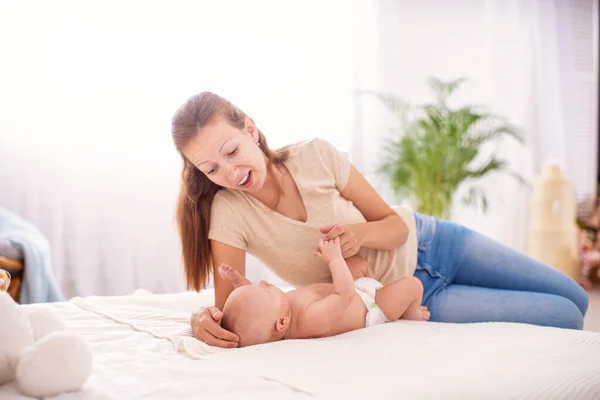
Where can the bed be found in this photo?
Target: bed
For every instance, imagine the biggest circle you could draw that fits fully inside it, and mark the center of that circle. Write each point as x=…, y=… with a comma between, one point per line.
x=143, y=349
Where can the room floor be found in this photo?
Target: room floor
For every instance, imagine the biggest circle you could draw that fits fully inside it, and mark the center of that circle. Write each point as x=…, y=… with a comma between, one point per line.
x=592, y=318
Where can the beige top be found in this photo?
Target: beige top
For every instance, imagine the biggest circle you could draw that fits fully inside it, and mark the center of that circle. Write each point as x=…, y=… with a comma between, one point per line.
x=286, y=245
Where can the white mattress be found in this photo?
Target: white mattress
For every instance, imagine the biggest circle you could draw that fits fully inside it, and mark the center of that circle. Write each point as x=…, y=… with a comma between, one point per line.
x=142, y=349
x=131, y=365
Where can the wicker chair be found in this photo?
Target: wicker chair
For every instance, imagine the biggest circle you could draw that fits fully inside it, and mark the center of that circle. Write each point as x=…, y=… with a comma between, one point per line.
x=14, y=268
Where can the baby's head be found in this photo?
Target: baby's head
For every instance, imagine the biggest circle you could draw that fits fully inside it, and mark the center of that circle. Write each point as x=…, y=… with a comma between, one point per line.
x=257, y=314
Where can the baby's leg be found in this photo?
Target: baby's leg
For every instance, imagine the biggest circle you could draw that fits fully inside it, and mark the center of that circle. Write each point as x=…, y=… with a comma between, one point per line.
x=359, y=268
x=402, y=299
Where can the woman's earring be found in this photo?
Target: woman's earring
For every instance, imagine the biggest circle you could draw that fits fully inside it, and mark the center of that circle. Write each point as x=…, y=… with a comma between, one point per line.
x=258, y=144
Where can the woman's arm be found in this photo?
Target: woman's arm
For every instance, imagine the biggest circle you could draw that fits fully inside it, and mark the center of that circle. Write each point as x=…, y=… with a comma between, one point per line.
x=206, y=323
x=359, y=268
x=225, y=254
x=384, y=228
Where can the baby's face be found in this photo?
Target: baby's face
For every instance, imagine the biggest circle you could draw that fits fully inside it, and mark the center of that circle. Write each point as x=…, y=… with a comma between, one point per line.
x=251, y=311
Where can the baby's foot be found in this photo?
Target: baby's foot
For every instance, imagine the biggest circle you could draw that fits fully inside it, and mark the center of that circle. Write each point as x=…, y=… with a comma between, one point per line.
x=233, y=276
x=418, y=314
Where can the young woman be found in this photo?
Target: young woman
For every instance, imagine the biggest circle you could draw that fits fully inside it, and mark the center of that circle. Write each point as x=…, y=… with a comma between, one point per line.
x=237, y=196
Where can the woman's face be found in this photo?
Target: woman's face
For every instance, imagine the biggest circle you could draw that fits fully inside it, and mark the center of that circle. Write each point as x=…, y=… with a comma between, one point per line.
x=228, y=156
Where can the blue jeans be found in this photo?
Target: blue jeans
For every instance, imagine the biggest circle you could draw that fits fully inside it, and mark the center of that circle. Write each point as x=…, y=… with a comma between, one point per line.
x=468, y=277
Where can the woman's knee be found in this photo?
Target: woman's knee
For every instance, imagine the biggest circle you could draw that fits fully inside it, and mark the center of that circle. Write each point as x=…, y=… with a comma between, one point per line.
x=564, y=313
x=579, y=297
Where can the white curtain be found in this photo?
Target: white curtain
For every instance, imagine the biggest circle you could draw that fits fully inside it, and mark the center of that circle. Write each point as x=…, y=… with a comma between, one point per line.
x=88, y=90
x=518, y=64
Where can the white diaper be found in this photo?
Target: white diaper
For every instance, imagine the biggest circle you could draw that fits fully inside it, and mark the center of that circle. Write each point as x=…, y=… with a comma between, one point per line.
x=366, y=288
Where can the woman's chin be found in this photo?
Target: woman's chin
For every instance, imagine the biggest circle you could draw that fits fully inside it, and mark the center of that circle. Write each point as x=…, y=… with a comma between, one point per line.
x=256, y=185
x=252, y=189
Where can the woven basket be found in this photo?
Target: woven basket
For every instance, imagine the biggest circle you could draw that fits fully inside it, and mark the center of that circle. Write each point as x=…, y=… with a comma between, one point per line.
x=552, y=235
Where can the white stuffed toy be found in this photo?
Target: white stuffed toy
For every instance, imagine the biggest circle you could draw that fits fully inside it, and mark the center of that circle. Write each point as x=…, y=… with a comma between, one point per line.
x=39, y=353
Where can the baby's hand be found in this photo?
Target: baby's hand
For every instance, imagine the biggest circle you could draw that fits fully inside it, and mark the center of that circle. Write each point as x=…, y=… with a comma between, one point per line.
x=329, y=249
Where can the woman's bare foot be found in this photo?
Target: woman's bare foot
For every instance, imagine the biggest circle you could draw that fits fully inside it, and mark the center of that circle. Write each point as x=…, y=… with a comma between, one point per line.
x=420, y=313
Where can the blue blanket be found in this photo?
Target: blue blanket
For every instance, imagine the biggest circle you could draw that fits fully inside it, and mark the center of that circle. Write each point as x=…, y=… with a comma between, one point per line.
x=39, y=285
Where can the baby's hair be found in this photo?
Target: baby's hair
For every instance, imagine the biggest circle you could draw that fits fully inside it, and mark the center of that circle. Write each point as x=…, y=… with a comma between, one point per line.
x=243, y=319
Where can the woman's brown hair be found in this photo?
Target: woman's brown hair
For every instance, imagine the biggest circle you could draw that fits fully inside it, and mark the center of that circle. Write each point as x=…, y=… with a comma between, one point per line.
x=197, y=191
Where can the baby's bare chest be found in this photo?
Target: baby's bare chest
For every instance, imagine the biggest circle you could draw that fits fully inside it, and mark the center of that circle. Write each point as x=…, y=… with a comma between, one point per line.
x=304, y=296
x=353, y=316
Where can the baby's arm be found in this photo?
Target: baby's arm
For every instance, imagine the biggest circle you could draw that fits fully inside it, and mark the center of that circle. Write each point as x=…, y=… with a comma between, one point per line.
x=322, y=316
x=330, y=252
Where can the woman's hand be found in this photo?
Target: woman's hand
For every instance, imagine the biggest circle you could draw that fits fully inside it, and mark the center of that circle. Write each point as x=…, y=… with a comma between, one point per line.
x=351, y=237
x=206, y=327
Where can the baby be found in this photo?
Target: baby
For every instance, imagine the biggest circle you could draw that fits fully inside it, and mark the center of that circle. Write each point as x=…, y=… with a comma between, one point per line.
x=264, y=313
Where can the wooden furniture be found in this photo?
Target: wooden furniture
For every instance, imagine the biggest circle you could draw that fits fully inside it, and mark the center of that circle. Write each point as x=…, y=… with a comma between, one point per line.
x=15, y=270
x=4, y=280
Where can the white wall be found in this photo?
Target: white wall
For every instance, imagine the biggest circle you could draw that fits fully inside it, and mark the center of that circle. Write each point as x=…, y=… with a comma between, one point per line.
x=88, y=91
x=88, y=94
x=518, y=58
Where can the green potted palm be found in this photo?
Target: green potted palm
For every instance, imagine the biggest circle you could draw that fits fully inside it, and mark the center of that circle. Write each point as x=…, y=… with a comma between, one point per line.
x=437, y=150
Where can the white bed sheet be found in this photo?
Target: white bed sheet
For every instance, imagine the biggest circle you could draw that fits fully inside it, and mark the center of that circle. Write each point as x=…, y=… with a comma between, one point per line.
x=136, y=340
x=130, y=365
